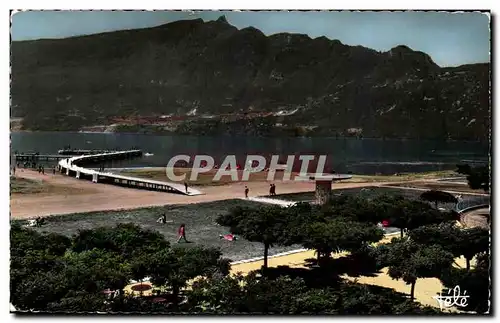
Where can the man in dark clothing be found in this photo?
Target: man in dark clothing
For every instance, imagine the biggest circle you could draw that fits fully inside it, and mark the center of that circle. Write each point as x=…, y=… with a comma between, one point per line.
x=246, y=191
x=186, y=186
x=273, y=189
x=270, y=189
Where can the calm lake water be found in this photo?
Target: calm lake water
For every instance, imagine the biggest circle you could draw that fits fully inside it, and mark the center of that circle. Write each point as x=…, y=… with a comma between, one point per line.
x=359, y=156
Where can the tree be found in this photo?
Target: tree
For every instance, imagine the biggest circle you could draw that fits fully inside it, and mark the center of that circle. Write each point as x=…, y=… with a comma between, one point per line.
x=339, y=235
x=77, y=302
x=409, y=261
x=50, y=273
x=254, y=294
x=267, y=225
x=95, y=270
x=447, y=235
x=407, y=214
x=23, y=240
x=175, y=267
x=474, y=241
x=438, y=197
x=126, y=239
x=460, y=242
x=354, y=208
x=232, y=218
x=477, y=177
x=476, y=283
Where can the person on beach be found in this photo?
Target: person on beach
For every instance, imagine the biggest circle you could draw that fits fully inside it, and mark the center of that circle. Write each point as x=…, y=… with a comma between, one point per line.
x=186, y=186
x=162, y=219
x=228, y=237
x=273, y=189
x=182, y=233
x=39, y=221
x=246, y=191
x=270, y=189
x=43, y=170
x=53, y=171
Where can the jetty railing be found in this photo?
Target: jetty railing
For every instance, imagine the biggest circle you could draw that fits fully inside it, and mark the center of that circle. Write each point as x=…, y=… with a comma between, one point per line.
x=74, y=166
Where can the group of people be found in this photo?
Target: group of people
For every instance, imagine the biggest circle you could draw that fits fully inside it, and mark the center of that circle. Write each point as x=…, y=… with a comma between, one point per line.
x=272, y=190
x=39, y=168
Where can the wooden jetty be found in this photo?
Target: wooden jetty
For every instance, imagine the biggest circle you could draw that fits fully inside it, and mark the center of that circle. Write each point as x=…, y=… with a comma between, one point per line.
x=37, y=157
x=74, y=167
x=77, y=152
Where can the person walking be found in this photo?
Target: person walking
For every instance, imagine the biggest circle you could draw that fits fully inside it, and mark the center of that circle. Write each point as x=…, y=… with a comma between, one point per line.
x=270, y=189
x=186, y=187
x=246, y=191
x=182, y=233
x=273, y=190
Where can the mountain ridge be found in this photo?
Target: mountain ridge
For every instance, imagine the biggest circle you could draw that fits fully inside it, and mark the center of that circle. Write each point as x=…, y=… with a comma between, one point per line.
x=214, y=68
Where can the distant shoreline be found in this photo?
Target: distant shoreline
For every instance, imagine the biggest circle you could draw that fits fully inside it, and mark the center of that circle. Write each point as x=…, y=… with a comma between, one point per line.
x=173, y=134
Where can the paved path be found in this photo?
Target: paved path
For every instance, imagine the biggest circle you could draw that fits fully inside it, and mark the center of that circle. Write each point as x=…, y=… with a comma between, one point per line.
x=426, y=189
x=267, y=200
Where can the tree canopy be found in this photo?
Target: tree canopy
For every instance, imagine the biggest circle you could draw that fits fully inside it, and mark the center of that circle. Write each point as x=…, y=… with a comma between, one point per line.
x=478, y=177
x=339, y=235
x=267, y=225
x=438, y=197
x=51, y=272
x=409, y=261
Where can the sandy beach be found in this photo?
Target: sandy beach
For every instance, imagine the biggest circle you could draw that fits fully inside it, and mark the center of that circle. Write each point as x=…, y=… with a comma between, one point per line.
x=99, y=197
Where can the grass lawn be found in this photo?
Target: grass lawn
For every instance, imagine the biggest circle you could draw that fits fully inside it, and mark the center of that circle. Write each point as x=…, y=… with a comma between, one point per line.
x=19, y=185
x=199, y=219
x=400, y=177
x=206, y=179
x=203, y=179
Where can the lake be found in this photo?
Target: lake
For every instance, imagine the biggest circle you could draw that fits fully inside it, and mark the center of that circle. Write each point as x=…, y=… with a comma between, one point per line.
x=359, y=156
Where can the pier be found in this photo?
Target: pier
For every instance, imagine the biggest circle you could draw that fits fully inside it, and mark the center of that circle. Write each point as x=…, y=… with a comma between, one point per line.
x=64, y=154
x=37, y=158
x=74, y=167
x=78, y=152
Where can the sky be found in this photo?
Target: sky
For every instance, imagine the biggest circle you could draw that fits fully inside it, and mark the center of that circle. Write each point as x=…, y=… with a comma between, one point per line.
x=451, y=39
